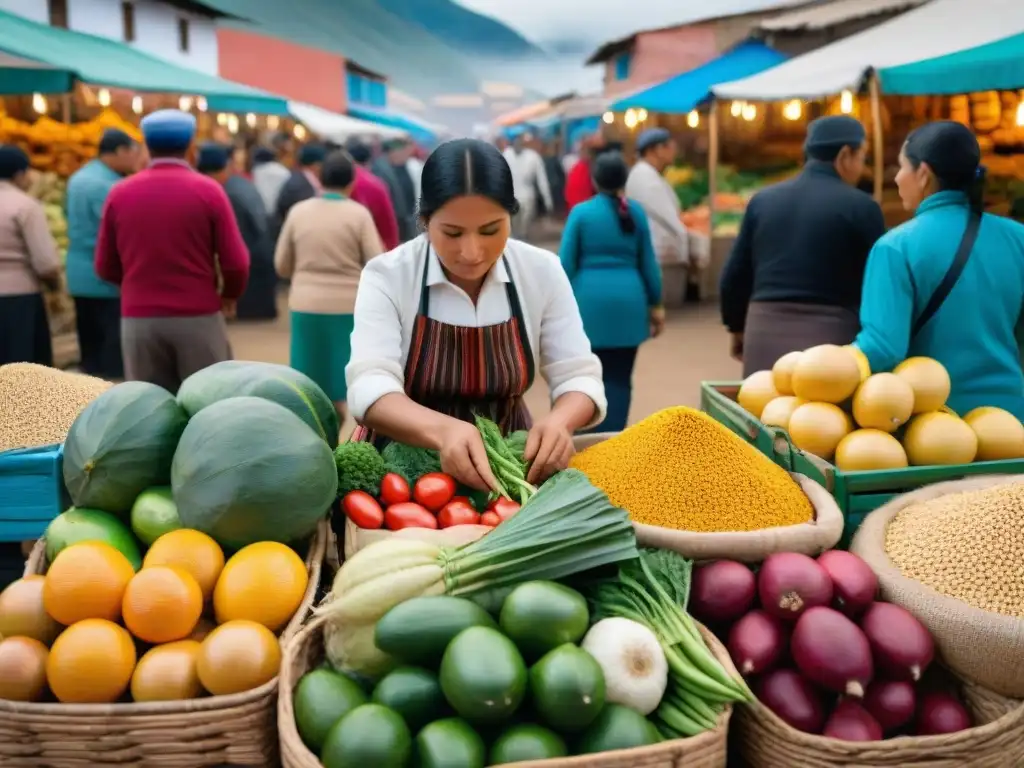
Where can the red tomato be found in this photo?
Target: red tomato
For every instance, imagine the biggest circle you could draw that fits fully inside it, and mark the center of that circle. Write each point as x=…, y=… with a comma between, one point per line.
x=503, y=508
x=434, y=490
x=394, y=489
x=490, y=519
x=465, y=500
x=408, y=515
x=363, y=510
x=457, y=512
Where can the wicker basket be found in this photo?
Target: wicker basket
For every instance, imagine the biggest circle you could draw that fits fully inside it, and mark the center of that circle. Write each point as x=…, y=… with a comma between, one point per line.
x=708, y=750
x=236, y=730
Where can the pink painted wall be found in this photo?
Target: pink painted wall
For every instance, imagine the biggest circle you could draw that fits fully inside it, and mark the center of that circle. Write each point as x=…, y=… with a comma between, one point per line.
x=661, y=54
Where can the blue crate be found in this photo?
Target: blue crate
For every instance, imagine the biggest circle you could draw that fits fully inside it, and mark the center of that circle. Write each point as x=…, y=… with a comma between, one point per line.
x=32, y=491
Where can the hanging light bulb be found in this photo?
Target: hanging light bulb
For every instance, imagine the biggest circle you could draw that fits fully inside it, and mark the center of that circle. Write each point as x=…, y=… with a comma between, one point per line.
x=137, y=105
x=39, y=103
x=250, y=120
x=1020, y=114
x=299, y=131
x=222, y=119
x=736, y=108
x=103, y=97
x=201, y=104
x=608, y=118
x=793, y=110
x=641, y=115
x=693, y=119
x=185, y=103
x=233, y=123
x=749, y=112
x=846, y=102
x=630, y=118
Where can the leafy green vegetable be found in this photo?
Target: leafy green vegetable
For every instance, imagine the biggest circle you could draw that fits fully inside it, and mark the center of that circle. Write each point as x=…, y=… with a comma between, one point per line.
x=506, y=462
x=360, y=468
x=516, y=442
x=410, y=462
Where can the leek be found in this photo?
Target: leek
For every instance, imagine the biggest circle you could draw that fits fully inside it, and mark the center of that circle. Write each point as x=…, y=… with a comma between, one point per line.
x=569, y=526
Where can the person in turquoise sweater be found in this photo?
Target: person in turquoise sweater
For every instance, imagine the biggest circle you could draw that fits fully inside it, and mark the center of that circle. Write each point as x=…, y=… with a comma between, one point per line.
x=608, y=255
x=928, y=293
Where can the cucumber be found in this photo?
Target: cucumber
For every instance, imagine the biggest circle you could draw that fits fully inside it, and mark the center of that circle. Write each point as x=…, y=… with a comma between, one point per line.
x=617, y=727
x=567, y=688
x=414, y=693
x=370, y=735
x=321, y=699
x=418, y=630
x=539, y=616
x=483, y=675
x=450, y=743
x=527, y=742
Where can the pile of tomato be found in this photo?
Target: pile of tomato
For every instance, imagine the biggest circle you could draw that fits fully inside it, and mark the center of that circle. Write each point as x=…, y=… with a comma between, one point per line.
x=430, y=503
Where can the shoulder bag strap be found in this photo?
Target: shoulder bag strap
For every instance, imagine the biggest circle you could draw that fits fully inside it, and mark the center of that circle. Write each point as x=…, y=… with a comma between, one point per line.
x=963, y=253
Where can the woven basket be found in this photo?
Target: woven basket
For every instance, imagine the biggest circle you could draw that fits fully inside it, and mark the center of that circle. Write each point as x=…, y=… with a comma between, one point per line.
x=236, y=730
x=305, y=651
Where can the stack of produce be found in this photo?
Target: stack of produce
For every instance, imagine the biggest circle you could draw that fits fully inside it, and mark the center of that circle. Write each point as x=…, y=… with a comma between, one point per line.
x=833, y=407
x=734, y=190
x=51, y=190
x=668, y=471
x=59, y=147
x=821, y=652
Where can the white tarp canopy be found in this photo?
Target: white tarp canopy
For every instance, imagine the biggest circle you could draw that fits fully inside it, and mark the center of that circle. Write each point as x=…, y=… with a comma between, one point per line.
x=340, y=128
x=935, y=29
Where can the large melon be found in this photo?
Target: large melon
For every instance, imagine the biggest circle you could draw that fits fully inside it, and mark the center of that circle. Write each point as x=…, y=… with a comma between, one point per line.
x=277, y=383
x=248, y=470
x=122, y=444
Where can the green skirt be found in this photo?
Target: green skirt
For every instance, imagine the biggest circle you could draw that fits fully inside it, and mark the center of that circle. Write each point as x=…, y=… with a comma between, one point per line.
x=321, y=346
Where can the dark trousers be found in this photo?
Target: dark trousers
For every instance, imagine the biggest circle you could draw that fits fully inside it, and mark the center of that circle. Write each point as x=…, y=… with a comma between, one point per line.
x=617, y=370
x=99, y=336
x=25, y=330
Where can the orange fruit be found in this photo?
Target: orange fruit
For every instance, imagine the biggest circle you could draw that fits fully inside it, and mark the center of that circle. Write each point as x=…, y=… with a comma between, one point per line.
x=929, y=380
x=167, y=673
x=826, y=373
x=22, y=613
x=263, y=582
x=203, y=628
x=884, y=401
x=756, y=391
x=818, y=427
x=782, y=372
x=939, y=438
x=86, y=581
x=162, y=604
x=778, y=412
x=238, y=656
x=1000, y=436
x=22, y=669
x=91, y=662
x=193, y=551
x=865, y=449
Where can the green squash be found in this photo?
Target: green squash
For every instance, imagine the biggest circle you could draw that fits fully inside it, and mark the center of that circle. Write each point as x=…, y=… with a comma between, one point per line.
x=277, y=383
x=249, y=470
x=122, y=443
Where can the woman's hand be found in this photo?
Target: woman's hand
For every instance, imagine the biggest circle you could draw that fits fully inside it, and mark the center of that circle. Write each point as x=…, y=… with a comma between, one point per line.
x=657, y=316
x=548, y=448
x=736, y=346
x=463, y=455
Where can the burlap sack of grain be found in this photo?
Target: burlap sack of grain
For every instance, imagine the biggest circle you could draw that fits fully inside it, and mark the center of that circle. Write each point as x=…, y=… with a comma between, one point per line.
x=811, y=538
x=983, y=647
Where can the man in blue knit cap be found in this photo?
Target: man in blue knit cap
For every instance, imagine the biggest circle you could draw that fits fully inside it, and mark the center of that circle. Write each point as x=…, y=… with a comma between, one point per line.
x=170, y=240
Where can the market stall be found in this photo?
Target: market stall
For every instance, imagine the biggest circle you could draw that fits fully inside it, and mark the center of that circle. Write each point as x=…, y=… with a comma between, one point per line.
x=340, y=128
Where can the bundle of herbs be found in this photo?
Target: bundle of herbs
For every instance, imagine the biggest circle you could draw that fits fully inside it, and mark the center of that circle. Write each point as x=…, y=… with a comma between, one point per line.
x=505, y=455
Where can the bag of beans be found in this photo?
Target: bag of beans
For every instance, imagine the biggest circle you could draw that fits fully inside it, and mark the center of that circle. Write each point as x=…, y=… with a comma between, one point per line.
x=951, y=554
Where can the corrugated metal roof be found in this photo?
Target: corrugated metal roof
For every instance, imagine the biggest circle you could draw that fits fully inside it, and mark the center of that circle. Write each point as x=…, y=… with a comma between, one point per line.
x=824, y=15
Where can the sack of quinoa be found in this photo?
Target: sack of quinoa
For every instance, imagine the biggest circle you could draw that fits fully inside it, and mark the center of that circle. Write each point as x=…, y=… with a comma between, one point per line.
x=951, y=554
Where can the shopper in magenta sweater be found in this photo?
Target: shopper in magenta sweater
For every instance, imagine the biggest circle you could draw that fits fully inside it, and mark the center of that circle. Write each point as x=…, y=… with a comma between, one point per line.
x=170, y=240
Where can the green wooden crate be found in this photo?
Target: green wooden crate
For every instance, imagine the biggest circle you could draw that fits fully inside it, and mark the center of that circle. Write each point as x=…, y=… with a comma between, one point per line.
x=856, y=493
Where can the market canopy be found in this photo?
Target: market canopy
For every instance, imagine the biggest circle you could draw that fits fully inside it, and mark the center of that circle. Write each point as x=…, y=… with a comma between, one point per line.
x=19, y=76
x=938, y=28
x=99, y=61
x=339, y=128
x=997, y=66
x=420, y=130
x=682, y=93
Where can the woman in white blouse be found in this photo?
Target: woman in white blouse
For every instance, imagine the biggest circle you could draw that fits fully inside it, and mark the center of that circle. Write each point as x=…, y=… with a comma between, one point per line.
x=459, y=320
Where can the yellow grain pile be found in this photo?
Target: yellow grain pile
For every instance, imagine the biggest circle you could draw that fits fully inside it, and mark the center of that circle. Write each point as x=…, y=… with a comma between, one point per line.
x=39, y=404
x=968, y=546
x=681, y=469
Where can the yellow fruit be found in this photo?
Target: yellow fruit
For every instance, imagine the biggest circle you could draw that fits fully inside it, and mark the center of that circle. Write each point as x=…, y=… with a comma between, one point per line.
x=22, y=669
x=826, y=374
x=929, y=380
x=238, y=656
x=939, y=438
x=86, y=581
x=91, y=662
x=818, y=427
x=1000, y=435
x=168, y=673
x=884, y=401
x=193, y=551
x=162, y=604
x=782, y=372
x=778, y=412
x=862, y=361
x=263, y=582
x=22, y=613
x=865, y=449
x=757, y=390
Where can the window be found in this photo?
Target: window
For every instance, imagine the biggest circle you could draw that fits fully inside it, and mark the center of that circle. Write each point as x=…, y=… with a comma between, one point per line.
x=128, y=22
x=622, y=63
x=378, y=93
x=183, y=40
x=59, y=13
x=357, y=90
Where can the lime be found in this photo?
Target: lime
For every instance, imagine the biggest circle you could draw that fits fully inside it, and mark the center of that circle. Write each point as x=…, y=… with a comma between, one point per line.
x=77, y=525
x=527, y=742
x=322, y=698
x=154, y=514
x=370, y=735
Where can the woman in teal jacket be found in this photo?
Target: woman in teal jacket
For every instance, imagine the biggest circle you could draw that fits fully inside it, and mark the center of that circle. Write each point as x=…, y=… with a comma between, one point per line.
x=609, y=258
x=922, y=298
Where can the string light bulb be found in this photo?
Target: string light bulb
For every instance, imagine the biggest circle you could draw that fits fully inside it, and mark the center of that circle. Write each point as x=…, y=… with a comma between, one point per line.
x=137, y=105
x=1020, y=115
x=233, y=123
x=749, y=112
x=608, y=118
x=641, y=115
x=299, y=131
x=630, y=119
x=39, y=103
x=222, y=119
x=846, y=102
x=273, y=121
x=103, y=97
x=693, y=119
x=250, y=120
x=793, y=110
x=736, y=108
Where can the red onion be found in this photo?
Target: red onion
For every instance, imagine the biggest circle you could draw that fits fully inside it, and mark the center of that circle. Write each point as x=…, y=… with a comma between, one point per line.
x=900, y=644
x=941, y=713
x=756, y=642
x=832, y=651
x=722, y=591
x=855, y=584
x=891, y=702
x=790, y=696
x=790, y=583
x=851, y=722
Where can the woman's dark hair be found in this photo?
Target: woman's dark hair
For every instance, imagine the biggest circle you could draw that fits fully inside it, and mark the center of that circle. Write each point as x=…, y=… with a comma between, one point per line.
x=13, y=161
x=952, y=152
x=464, y=167
x=337, y=172
x=610, y=174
